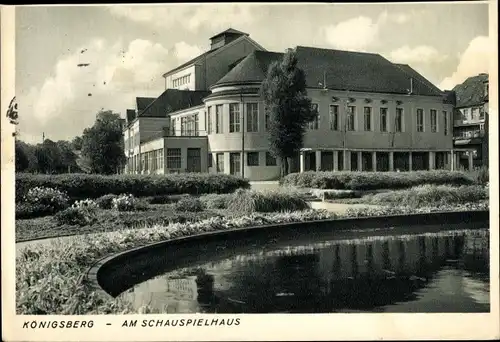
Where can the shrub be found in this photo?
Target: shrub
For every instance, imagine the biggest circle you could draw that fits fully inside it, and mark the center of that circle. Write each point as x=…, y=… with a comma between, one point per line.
x=79, y=186
x=375, y=180
x=340, y=194
x=81, y=216
x=28, y=210
x=128, y=202
x=48, y=197
x=429, y=195
x=106, y=201
x=481, y=175
x=216, y=201
x=190, y=203
x=245, y=201
x=166, y=199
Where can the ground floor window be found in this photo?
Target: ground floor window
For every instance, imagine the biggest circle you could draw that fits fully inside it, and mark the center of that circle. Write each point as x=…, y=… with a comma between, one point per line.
x=382, y=161
x=340, y=156
x=367, y=160
x=354, y=161
x=193, y=160
x=253, y=158
x=235, y=163
x=401, y=161
x=174, y=158
x=420, y=161
x=327, y=161
x=209, y=160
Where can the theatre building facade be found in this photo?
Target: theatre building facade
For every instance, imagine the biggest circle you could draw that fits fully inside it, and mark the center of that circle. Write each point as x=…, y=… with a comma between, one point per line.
x=373, y=115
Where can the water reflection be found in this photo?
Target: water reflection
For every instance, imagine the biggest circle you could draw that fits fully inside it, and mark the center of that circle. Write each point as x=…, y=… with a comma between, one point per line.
x=438, y=272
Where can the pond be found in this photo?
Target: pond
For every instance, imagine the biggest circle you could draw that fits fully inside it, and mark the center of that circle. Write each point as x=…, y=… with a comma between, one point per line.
x=356, y=271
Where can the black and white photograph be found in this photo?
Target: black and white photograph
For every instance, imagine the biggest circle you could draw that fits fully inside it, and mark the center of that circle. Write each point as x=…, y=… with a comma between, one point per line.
x=203, y=168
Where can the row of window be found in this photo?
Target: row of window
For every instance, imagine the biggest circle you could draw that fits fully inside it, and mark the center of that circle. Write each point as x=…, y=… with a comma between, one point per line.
x=383, y=119
x=252, y=160
x=190, y=125
x=252, y=119
x=470, y=114
x=181, y=81
x=150, y=161
x=132, y=142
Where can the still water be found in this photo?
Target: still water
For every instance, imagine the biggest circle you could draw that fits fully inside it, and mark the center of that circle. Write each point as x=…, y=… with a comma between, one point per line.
x=446, y=271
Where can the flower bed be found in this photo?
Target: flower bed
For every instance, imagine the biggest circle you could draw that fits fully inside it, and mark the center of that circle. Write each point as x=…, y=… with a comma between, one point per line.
x=81, y=186
x=375, y=180
x=47, y=275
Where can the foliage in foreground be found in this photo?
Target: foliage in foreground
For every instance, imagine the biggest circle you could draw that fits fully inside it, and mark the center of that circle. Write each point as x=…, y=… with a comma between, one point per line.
x=375, y=180
x=272, y=201
x=81, y=186
x=47, y=276
x=426, y=195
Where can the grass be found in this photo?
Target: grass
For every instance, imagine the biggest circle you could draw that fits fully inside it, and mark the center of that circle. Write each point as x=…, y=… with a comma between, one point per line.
x=47, y=276
x=270, y=201
x=375, y=180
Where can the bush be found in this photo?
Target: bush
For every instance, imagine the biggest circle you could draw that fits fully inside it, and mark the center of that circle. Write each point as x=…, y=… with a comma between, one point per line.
x=106, y=201
x=81, y=216
x=28, y=210
x=216, y=201
x=429, y=195
x=128, y=202
x=481, y=175
x=340, y=194
x=245, y=201
x=79, y=186
x=190, y=203
x=88, y=203
x=375, y=180
x=166, y=199
x=51, y=197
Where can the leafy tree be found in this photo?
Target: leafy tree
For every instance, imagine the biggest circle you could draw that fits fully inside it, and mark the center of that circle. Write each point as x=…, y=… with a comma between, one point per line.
x=102, y=144
x=22, y=161
x=49, y=157
x=28, y=151
x=289, y=109
x=77, y=143
x=68, y=156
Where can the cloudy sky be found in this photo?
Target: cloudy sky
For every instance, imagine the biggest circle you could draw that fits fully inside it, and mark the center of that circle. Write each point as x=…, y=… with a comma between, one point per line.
x=129, y=47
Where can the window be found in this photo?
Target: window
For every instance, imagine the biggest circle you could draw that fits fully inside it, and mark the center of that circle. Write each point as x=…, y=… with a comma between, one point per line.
x=481, y=113
x=209, y=160
x=218, y=119
x=267, y=121
x=368, y=118
x=351, y=112
x=209, y=120
x=234, y=117
x=253, y=158
x=383, y=119
x=420, y=120
x=183, y=126
x=475, y=114
x=172, y=127
x=252, y=117
x=220, y=162
x=315, y=123
x=160, y=159
x=173, y=158
x=334, y=117
x=445, y=122
x=433, y=121
x=270, y=160
x=196, y=125
x=399, y=120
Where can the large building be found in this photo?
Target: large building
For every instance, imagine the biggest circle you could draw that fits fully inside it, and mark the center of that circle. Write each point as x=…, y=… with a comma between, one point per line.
x=374, y=115
x=471, y=120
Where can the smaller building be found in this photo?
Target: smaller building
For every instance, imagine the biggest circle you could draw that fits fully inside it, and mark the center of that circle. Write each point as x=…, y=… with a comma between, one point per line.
x=471, y=120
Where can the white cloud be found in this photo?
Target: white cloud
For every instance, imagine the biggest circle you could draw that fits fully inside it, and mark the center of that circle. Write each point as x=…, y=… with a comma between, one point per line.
x=184, y=51
x=422, y=54
x=191, y=17
x=61, y=107
x=474, y=60
x=357, y=34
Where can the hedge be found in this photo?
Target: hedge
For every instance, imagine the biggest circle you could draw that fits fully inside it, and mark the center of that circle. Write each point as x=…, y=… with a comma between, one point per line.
x=375, y=180
x=80, y=186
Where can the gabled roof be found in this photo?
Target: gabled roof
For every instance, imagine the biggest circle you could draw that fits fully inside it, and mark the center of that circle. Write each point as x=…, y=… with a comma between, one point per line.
x=343, y=70
x=190, y=62
x=417, y=76
x=172, y=100
x=471, y=91
x=143, y=102
x=231, y=31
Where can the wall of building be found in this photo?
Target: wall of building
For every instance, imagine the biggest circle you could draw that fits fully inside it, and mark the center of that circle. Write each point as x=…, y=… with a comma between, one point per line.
x=184, y=143
x=194, y=78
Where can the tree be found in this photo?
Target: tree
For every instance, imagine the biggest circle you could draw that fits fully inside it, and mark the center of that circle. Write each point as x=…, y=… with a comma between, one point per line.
x=49, y=157
x=102, y=144
x=68, y=156
x=22, y=161
x=289, y=109
x=77, y=143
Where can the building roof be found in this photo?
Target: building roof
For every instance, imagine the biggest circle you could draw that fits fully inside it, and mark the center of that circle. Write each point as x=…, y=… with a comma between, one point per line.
x=173, y=100
x=471, y=91
x=130, y=115
x=343, y=70
x=190, y=62
x=231, y=31
x=413, y=73
x=143, y=102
